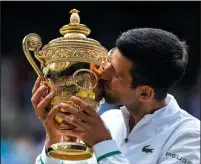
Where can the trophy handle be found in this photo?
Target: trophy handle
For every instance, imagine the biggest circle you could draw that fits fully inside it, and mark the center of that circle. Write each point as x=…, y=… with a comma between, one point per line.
x=33, y=42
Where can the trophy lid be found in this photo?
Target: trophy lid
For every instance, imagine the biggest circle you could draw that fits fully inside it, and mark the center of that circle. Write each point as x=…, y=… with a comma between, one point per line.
x=74, y=46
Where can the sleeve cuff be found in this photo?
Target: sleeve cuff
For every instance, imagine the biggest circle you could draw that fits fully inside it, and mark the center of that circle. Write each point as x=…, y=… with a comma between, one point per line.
x=44, y=159
x=105, y=149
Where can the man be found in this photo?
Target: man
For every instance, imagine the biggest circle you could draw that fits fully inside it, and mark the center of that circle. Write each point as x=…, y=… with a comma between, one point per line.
x=150, y=128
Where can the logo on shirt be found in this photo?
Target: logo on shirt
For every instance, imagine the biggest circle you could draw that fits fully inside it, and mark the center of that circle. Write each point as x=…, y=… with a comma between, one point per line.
x=146, y=149
x=182, y=159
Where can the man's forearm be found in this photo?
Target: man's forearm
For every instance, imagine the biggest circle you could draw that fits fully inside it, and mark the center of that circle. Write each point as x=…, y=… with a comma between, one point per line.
x=107, y=152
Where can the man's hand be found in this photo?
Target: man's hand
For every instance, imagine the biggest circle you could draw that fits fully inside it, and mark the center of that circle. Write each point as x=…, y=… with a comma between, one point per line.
x=90, y=127
x=40, y=100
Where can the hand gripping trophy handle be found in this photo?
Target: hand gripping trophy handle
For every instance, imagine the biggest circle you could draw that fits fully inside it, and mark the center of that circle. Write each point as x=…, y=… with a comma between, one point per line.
x=33, y=42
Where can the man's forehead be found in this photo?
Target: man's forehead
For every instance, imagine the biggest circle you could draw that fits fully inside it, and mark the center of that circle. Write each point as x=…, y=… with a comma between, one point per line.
x=116, y=54
x=112, y=51
x=118, y=60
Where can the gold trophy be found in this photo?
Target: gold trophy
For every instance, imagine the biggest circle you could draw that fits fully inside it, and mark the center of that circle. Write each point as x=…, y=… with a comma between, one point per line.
x=67, y=67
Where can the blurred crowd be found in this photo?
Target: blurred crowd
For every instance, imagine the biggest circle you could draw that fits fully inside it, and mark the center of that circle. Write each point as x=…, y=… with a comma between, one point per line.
x=23, y=136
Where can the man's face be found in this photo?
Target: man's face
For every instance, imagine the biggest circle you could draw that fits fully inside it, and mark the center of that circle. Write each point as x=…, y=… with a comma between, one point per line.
x=116, y=80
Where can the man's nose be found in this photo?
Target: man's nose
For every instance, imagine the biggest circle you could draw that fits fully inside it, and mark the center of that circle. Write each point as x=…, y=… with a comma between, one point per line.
x=106, y=74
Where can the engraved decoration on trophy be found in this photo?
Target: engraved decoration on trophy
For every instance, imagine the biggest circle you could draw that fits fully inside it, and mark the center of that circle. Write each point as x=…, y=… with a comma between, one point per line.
x=67, y=68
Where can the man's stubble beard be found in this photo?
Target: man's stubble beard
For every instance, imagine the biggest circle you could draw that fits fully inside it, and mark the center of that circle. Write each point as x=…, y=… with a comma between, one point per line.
x=99, y=91
x=104, y=92
x=109, y=98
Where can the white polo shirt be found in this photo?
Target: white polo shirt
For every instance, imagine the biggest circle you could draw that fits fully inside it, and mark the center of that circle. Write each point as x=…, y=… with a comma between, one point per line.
x=168, y=136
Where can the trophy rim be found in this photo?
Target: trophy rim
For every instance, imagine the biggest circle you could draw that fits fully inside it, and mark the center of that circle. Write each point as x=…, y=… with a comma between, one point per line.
x=69, y=151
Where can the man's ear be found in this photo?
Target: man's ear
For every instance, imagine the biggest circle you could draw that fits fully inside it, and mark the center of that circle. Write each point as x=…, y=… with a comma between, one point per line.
x=144, y=92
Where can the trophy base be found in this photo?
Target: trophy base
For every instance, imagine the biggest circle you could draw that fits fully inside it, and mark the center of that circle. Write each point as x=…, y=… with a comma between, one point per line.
x=70, y=151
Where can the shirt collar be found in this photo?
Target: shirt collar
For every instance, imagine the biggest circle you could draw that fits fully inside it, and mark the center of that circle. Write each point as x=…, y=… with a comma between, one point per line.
x=162, y=113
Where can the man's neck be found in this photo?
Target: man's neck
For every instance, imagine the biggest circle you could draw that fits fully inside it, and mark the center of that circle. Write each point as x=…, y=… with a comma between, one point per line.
x=138, y=114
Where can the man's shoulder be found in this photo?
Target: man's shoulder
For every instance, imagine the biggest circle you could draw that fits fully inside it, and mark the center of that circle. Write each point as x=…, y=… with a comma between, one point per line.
x=189, y=123
x=186, y=127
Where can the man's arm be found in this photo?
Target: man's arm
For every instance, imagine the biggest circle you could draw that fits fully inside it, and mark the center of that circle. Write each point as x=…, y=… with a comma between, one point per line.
x=185, y=148
x=107, y=152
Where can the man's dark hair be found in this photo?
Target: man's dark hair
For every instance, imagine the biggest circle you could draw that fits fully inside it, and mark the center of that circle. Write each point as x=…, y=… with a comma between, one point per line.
x=159, y=58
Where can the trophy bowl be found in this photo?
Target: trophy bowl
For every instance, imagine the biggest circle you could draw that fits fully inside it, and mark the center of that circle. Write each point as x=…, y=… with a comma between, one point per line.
x=70, y=65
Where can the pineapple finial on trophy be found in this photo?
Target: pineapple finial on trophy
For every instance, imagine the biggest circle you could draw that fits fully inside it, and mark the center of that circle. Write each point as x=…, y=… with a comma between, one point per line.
x=75, y=18
x=74, y=28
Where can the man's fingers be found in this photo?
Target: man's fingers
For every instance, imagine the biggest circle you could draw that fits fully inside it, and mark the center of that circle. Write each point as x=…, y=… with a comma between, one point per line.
x=46, y=100
x=86, y=107
x=53, y=112
x=38, y=94
x=76, y=112
x=41, y=107
x=36, y=85
x=72, y=120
